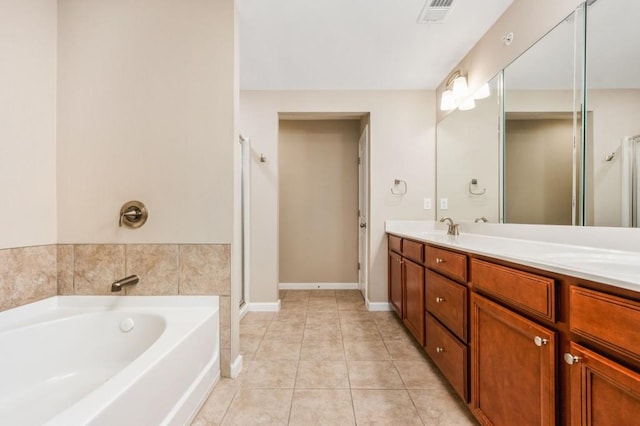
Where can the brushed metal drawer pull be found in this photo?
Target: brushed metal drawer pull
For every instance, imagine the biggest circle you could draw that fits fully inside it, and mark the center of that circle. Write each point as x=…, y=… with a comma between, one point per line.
x=439, y=299
x=439, y=349
x=439, y=261
x=571, y=359
x=539, y=341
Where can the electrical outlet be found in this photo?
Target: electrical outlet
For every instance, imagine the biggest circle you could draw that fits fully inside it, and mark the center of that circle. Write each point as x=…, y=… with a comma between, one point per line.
x=444, y=203
x=427, y=203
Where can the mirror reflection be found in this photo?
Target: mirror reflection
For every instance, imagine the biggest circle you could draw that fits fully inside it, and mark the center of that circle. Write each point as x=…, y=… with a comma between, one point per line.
x=541, y=181
x=612, y=114
x=467, y=158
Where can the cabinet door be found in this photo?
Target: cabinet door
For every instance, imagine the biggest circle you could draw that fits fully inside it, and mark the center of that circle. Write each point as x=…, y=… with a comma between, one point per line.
x=395, y=282
x=512, y=367
x=414, y=299
x=602, y=391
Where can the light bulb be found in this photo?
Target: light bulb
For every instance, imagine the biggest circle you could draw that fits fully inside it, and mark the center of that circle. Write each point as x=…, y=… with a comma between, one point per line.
x=447, y=102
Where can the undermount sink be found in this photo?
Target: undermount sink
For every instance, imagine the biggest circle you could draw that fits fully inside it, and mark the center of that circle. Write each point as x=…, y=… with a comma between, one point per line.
x=626, y=264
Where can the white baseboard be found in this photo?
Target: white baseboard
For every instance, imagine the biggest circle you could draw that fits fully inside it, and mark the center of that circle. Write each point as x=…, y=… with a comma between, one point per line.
x=378, y=306
x=236, y=367
x=265, y=307
x=318, y=286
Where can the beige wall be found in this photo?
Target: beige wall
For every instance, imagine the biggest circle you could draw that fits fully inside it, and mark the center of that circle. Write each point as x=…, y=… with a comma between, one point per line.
x=318, y=203
x=146, y=112
x=402, y=146
x=538, y=171
x=28, y=116
x=528, y=20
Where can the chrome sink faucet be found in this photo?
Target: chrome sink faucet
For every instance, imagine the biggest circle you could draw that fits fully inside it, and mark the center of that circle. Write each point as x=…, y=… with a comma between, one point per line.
x=452, y=227
x=124, y=282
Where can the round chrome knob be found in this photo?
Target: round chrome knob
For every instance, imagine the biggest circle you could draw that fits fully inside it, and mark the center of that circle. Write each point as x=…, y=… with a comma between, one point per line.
x=439, y=349
x=571, y=359
x=539, y=341
x=439, y=300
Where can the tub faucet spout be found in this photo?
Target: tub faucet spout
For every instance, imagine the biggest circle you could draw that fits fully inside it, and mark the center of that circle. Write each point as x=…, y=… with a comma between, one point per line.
x=124, y=282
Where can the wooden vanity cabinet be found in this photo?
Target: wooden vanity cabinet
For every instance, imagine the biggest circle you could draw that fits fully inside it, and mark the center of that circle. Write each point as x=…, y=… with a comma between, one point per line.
x=406, y=284
x=395, y=282
x=603, y=392
x=513, y=367
x=413, y=291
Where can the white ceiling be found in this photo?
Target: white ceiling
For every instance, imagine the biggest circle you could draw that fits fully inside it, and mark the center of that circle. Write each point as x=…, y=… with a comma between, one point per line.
x=355, y=44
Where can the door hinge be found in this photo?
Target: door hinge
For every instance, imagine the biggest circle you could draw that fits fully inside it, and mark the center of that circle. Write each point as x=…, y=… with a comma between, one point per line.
x=358, y=266
x=359, y=160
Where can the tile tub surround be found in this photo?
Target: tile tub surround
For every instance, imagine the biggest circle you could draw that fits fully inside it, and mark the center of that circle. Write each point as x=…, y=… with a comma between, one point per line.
x=324, y=374
x=27, y=274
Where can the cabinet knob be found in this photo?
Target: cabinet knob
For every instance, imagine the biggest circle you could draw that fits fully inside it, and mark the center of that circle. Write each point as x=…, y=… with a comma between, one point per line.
x=439, y=300
x=439, y=349
x=438, y=260
x=539, y=341
x=571, y=359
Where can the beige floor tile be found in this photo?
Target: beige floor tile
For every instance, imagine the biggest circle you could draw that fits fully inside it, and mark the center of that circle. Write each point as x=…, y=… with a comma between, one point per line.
x=317, y=349
x=253, y=329
x=360, y=331
x=282, y=294
x=420, y=374
x=322, y=332
x=322, y=407
x=349, y=294
x=215, y=407
x=294, y=305
x=408, y=350
x=249, y=345
x=291, y=316
x=279, y=349
x=297, y=295
x=384, y=407
x=366, y=350
x=399, y=334
x=322, y=317
x=384, y=317
x=355, y=316
x=323, y=304
x=322, y=375
x=374, y=375
x=271, y=374
x=318, y=294
x=257, y=317
x=351, y=305
x=260, y=407
x=283, y=330
x=440, y=407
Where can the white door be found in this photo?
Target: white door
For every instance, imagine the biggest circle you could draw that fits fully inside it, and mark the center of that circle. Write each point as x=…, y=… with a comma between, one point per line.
x=363, y=211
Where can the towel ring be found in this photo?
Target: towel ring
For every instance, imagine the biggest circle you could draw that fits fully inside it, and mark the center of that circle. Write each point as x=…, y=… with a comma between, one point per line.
x=397, y=182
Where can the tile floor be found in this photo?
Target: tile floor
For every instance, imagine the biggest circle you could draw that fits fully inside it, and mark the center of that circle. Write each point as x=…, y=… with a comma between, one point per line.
x=325, y=360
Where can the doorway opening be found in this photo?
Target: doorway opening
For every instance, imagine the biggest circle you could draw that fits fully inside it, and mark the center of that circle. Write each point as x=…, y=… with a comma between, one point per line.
x=323, y=201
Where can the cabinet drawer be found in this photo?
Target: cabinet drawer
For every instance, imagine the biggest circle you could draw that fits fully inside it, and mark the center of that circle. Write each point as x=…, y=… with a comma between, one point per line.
x=448, y=354
x=447, y=301
x=529, y=292
x=413, y=250
x=448, y=263
x=609, y=320
x=395, y=243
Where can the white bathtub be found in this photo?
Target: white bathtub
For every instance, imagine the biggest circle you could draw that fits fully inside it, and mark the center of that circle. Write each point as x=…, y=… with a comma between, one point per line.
x=69, y=360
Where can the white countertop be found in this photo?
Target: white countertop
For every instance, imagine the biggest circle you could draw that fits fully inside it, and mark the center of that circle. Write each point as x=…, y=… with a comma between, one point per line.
x=615, y=267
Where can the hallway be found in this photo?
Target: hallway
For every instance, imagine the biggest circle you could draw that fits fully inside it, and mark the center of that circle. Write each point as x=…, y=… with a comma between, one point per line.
x=325, y=359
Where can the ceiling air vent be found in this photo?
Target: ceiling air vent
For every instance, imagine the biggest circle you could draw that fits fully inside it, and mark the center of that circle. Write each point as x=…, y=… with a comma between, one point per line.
x=434, y=11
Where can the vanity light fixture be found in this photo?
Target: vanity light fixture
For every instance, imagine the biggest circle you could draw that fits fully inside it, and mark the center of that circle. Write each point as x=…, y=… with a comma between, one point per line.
x=483, y=92
x=456, y=92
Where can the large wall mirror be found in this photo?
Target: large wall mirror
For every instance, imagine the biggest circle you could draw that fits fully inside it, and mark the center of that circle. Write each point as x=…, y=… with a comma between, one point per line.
x=612, y=119
x=541, y=165
x=467, y=158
